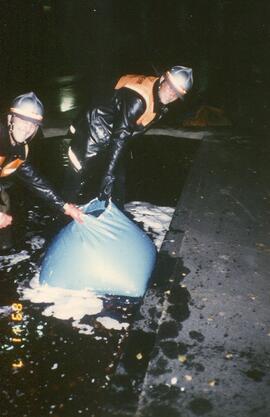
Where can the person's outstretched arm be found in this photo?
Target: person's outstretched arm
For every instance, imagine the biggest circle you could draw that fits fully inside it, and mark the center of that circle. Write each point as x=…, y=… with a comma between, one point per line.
x=32, y=179
x=129, y=107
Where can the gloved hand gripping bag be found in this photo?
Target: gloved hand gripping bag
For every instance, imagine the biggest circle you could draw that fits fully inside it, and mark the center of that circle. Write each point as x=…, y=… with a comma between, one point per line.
x=108, y=253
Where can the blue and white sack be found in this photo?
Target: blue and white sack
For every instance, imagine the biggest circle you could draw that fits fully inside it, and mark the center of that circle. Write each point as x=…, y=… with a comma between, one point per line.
x=108, y=253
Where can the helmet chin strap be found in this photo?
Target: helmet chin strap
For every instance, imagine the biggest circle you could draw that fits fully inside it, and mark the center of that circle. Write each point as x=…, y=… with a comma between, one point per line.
x=10, y=131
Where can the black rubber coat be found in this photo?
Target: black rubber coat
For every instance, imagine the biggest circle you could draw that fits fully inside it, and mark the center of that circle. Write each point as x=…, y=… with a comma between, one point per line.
x=26, y=172
x=110, y=127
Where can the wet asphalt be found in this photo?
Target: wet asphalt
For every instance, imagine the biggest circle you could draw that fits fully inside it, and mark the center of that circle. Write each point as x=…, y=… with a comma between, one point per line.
x=200, y=345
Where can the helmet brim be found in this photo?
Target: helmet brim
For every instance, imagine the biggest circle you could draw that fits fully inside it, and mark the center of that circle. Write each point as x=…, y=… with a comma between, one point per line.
x=27, y=118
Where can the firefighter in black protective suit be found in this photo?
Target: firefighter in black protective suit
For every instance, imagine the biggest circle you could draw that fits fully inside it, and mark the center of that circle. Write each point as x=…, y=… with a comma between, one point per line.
x=137, y=103
x=23, y=121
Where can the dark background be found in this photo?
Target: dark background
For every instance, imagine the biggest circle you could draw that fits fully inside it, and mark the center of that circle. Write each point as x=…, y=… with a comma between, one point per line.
x=226, y=42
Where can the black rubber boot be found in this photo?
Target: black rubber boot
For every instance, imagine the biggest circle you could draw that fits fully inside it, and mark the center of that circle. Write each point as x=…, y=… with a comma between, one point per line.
x=6, y=241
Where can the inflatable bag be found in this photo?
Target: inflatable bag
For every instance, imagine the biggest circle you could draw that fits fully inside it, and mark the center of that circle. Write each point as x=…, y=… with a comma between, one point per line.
x=108, y=253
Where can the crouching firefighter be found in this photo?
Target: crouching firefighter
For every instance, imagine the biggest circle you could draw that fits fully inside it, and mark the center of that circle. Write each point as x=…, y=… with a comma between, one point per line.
x=138, y=102
x=23, y=121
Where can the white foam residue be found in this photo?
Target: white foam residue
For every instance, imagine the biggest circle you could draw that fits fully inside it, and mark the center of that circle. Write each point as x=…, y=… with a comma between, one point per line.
x=83, y=328
x=156, y=220
x=36, y=242
x=10, y=260
x=5, y=310
x=110, y=323
x=66, y=304
x=74, y=306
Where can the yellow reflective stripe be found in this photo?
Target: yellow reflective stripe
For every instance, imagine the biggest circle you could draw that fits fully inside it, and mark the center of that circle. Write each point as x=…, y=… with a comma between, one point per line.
x=144, y=86
x=27, y=114
x=73, y=158
x=9, y=168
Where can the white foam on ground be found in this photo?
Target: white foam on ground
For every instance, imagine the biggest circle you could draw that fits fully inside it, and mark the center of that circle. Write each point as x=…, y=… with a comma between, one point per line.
x=74, y=305
x=66, y=304
x=9, y=260
x=5, y=310
x=156, y=220
x=83, y=328
x=36, y=242
x=110, y=323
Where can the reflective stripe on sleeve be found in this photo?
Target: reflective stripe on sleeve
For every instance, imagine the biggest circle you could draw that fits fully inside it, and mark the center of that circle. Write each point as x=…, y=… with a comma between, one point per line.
x=74, y=160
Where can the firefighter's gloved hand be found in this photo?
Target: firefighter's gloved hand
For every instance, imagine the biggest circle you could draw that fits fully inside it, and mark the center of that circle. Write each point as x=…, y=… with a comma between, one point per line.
x=105, y=192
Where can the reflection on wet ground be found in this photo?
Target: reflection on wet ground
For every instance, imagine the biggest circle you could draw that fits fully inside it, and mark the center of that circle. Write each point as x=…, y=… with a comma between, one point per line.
x=61, y=367
x=50, y=367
